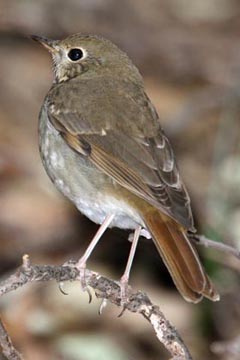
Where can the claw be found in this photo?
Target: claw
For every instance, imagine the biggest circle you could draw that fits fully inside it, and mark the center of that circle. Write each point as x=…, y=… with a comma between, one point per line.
x=60, y=286
x=102, y=306
x=123, y=311
x=89, y=295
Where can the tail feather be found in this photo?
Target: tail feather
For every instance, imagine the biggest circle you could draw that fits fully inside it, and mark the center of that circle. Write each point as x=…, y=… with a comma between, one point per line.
x=180, y=257
x=210, y=291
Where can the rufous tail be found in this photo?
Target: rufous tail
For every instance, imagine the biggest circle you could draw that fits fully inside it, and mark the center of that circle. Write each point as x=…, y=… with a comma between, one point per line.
x=180, y=257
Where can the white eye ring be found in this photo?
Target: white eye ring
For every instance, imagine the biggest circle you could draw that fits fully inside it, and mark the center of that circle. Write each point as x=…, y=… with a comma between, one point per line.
x=76, y=54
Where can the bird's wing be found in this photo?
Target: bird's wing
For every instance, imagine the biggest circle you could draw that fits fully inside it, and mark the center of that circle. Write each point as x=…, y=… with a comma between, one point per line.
x=117, y=127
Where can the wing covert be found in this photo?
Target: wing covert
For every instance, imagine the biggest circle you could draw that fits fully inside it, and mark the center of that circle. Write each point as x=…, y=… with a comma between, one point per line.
x=122, y=136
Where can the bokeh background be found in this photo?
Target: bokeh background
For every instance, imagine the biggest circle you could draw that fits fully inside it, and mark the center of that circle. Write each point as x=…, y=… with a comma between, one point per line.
x=189, y=54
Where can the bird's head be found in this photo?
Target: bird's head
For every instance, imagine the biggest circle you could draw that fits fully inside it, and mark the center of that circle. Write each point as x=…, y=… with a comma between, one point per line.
x=79, y=54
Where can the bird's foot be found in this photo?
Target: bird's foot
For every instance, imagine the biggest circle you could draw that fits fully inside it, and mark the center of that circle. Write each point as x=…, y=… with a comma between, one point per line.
x=124, y=290
x=81, y=266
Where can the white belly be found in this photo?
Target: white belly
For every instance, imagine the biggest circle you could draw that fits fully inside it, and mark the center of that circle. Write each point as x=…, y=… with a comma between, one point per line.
x=78, y=181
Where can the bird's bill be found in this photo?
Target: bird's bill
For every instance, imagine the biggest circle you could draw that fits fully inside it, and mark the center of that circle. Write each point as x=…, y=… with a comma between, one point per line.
x=49, y=44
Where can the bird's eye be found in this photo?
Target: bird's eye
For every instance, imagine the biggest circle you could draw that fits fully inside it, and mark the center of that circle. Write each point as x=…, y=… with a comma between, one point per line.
x=75, y=54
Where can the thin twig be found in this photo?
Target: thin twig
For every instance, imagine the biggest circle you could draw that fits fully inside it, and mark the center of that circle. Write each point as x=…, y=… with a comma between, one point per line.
x=7, y=347
x=104, y=288
x=208, y=243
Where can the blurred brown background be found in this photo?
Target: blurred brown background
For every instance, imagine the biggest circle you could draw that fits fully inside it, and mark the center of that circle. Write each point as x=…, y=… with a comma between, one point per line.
x=189, y=54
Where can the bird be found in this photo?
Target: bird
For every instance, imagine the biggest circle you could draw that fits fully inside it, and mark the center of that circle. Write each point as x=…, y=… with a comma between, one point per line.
x=103, y=147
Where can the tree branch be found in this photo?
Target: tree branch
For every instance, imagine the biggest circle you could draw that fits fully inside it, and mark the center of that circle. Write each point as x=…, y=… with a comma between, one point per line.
x=208, y=243
x=106, y=289
x=7, y=347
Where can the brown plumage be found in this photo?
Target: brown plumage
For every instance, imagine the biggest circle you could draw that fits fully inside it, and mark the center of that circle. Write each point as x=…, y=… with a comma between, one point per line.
x=98, y=117
x=180, y=257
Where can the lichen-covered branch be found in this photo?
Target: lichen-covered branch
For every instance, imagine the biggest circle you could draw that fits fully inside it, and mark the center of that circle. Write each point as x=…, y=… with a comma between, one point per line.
x=108, y=290
x=8, y=349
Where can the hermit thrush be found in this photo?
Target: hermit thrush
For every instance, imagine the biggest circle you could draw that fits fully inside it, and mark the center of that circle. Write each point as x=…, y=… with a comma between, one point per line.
x=103, y=147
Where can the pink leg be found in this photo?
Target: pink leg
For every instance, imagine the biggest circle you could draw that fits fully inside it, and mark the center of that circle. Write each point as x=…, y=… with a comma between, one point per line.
x=125, y=277
x=82, y=262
